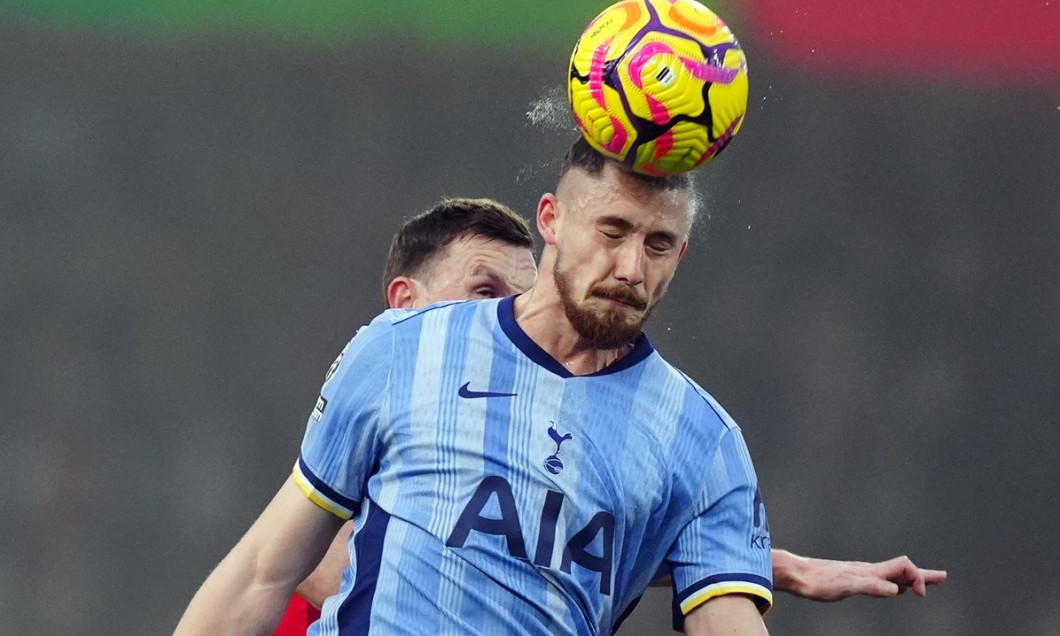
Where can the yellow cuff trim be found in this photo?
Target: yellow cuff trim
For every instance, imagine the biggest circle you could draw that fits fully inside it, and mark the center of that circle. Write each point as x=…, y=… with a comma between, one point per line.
x=318, y=497
x=722, y=589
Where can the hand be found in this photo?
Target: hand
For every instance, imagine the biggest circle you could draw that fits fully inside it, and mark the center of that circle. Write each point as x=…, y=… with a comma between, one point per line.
x=825, y=580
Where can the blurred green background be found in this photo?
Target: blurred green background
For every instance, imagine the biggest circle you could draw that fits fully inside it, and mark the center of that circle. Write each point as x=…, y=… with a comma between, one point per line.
x=195, y=205
x=545, y=23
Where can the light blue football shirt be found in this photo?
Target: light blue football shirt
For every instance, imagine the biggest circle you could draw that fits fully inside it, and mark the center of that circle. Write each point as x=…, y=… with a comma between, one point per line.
x=495, y=493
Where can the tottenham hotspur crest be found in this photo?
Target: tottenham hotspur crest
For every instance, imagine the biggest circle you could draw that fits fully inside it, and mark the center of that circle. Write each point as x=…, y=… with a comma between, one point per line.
x=553, y=463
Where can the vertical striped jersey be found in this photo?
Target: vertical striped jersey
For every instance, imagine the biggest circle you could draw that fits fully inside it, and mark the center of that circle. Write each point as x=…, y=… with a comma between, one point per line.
x=496, y=493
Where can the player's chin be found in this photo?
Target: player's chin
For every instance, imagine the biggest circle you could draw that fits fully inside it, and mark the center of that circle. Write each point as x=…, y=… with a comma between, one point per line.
x=607, y=333
x=622, y=329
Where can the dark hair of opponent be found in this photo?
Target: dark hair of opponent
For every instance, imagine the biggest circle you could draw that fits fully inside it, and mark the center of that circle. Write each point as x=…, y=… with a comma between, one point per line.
x=427, y=234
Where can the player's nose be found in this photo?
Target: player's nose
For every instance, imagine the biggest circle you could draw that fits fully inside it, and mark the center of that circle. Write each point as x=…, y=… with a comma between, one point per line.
x=629, y=263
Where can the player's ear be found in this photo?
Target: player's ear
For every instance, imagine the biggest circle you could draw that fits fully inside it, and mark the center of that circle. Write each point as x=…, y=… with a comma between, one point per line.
x=546, y=218
x=684, y=246
x=402, y=293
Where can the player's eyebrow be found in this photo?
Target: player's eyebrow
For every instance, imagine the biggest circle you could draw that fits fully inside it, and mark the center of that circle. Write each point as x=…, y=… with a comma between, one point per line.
x=487, y=272
x=482, y=268
x=623, y=225
x=616, y=222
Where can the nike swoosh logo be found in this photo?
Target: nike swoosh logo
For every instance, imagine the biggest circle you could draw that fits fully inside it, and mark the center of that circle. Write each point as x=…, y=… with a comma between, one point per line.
x=465, y=392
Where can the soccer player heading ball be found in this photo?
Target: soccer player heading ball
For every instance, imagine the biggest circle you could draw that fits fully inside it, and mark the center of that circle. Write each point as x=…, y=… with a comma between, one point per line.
x=433, y=430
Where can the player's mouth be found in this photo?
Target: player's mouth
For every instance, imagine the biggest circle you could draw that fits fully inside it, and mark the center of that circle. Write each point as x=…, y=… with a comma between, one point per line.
x=621, y=298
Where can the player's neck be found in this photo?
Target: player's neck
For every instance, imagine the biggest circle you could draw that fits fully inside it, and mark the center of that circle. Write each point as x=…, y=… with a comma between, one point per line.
x=540, y=315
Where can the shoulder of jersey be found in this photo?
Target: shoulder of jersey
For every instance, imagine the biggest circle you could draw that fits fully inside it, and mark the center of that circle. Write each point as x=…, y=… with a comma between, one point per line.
x=708, y=402
x=397, y=316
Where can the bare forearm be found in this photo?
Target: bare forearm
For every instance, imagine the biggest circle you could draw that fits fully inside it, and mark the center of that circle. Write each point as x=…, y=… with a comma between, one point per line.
x=787, y=570
x=247, y=592
x=233, y=600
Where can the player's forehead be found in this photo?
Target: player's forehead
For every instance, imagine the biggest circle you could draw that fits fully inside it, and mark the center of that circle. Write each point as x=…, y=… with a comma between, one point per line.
x=477, y=256
x=615, y=197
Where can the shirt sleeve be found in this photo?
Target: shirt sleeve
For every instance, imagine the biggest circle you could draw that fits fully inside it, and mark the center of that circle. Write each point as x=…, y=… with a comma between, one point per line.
x=725, y=549
x=341, y=444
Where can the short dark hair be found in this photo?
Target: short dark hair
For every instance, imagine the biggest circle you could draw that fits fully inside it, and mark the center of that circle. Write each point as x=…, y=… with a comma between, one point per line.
x=425, y=235
x=584, y=156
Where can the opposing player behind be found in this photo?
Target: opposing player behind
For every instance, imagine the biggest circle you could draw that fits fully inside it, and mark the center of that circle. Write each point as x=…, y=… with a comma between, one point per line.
x=460, y=249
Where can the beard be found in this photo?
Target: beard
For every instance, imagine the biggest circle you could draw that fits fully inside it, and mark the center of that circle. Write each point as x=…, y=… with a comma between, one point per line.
x=610, y=327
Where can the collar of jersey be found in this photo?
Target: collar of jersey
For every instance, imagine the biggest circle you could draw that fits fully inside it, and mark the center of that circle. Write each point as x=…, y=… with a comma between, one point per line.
x=642, y=348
